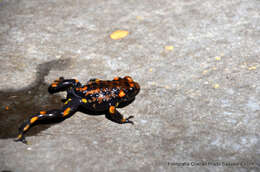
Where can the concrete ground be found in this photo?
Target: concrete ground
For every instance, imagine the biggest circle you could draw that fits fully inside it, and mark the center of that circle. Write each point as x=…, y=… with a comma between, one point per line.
x=197, y=62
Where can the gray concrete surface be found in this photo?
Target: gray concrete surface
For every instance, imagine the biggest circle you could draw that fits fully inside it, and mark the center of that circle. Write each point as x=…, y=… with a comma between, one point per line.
x=199, y=105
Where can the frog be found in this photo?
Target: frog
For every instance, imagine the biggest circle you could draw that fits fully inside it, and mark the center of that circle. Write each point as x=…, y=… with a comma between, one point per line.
x=96, y=96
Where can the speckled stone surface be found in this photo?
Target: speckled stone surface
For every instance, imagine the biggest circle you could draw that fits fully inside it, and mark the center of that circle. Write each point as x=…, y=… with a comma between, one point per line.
x=197, y=62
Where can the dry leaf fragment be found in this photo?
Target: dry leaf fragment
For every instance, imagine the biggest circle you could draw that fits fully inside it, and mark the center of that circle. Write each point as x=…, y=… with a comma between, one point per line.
x=252, y=68
x=216, y=86
x=169, y=47
x=118, y=34
x=205, y=72
x=218, y=58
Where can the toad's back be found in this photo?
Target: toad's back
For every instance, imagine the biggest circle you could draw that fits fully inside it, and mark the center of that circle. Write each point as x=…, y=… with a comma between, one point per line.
x=100, y=94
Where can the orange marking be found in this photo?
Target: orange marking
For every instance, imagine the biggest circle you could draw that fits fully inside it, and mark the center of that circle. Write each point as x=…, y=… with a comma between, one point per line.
x=6, y=108
x=129, y=78
x=84, y=88
x=112, y=109
x=116, y=78
x=131, y=84
x=42, y=112
x=76, y=80
x=123, y=120
x=54, y=85
x=33, y=119
x=89, y=92
x=100, y=99
x=19, y=136
x=92, y=92
x=26, y=127
x=84, y=100
x=66, y=112
x=67, y=101
x=121, y=93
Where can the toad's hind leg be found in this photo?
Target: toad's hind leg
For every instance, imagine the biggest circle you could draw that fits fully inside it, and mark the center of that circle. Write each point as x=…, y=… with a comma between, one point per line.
x=68, y=110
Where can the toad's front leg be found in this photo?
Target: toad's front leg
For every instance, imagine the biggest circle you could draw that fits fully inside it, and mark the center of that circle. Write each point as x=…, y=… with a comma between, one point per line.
x=115, y=116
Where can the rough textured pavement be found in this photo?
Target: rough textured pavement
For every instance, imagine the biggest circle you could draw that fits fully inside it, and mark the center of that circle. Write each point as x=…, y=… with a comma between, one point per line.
x=197, y=62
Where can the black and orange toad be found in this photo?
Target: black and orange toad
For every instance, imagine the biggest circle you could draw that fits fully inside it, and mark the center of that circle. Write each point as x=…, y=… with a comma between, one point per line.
x=97, y=95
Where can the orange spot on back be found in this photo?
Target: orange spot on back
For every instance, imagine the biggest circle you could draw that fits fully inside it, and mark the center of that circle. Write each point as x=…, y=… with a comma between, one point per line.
x=129, y=78
x=54, y=85
x=100, y=99
x=131, y=84
x=6, y=108
x=84, y=88
x=116, y=78
x=121, y=93
x=92, y=92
